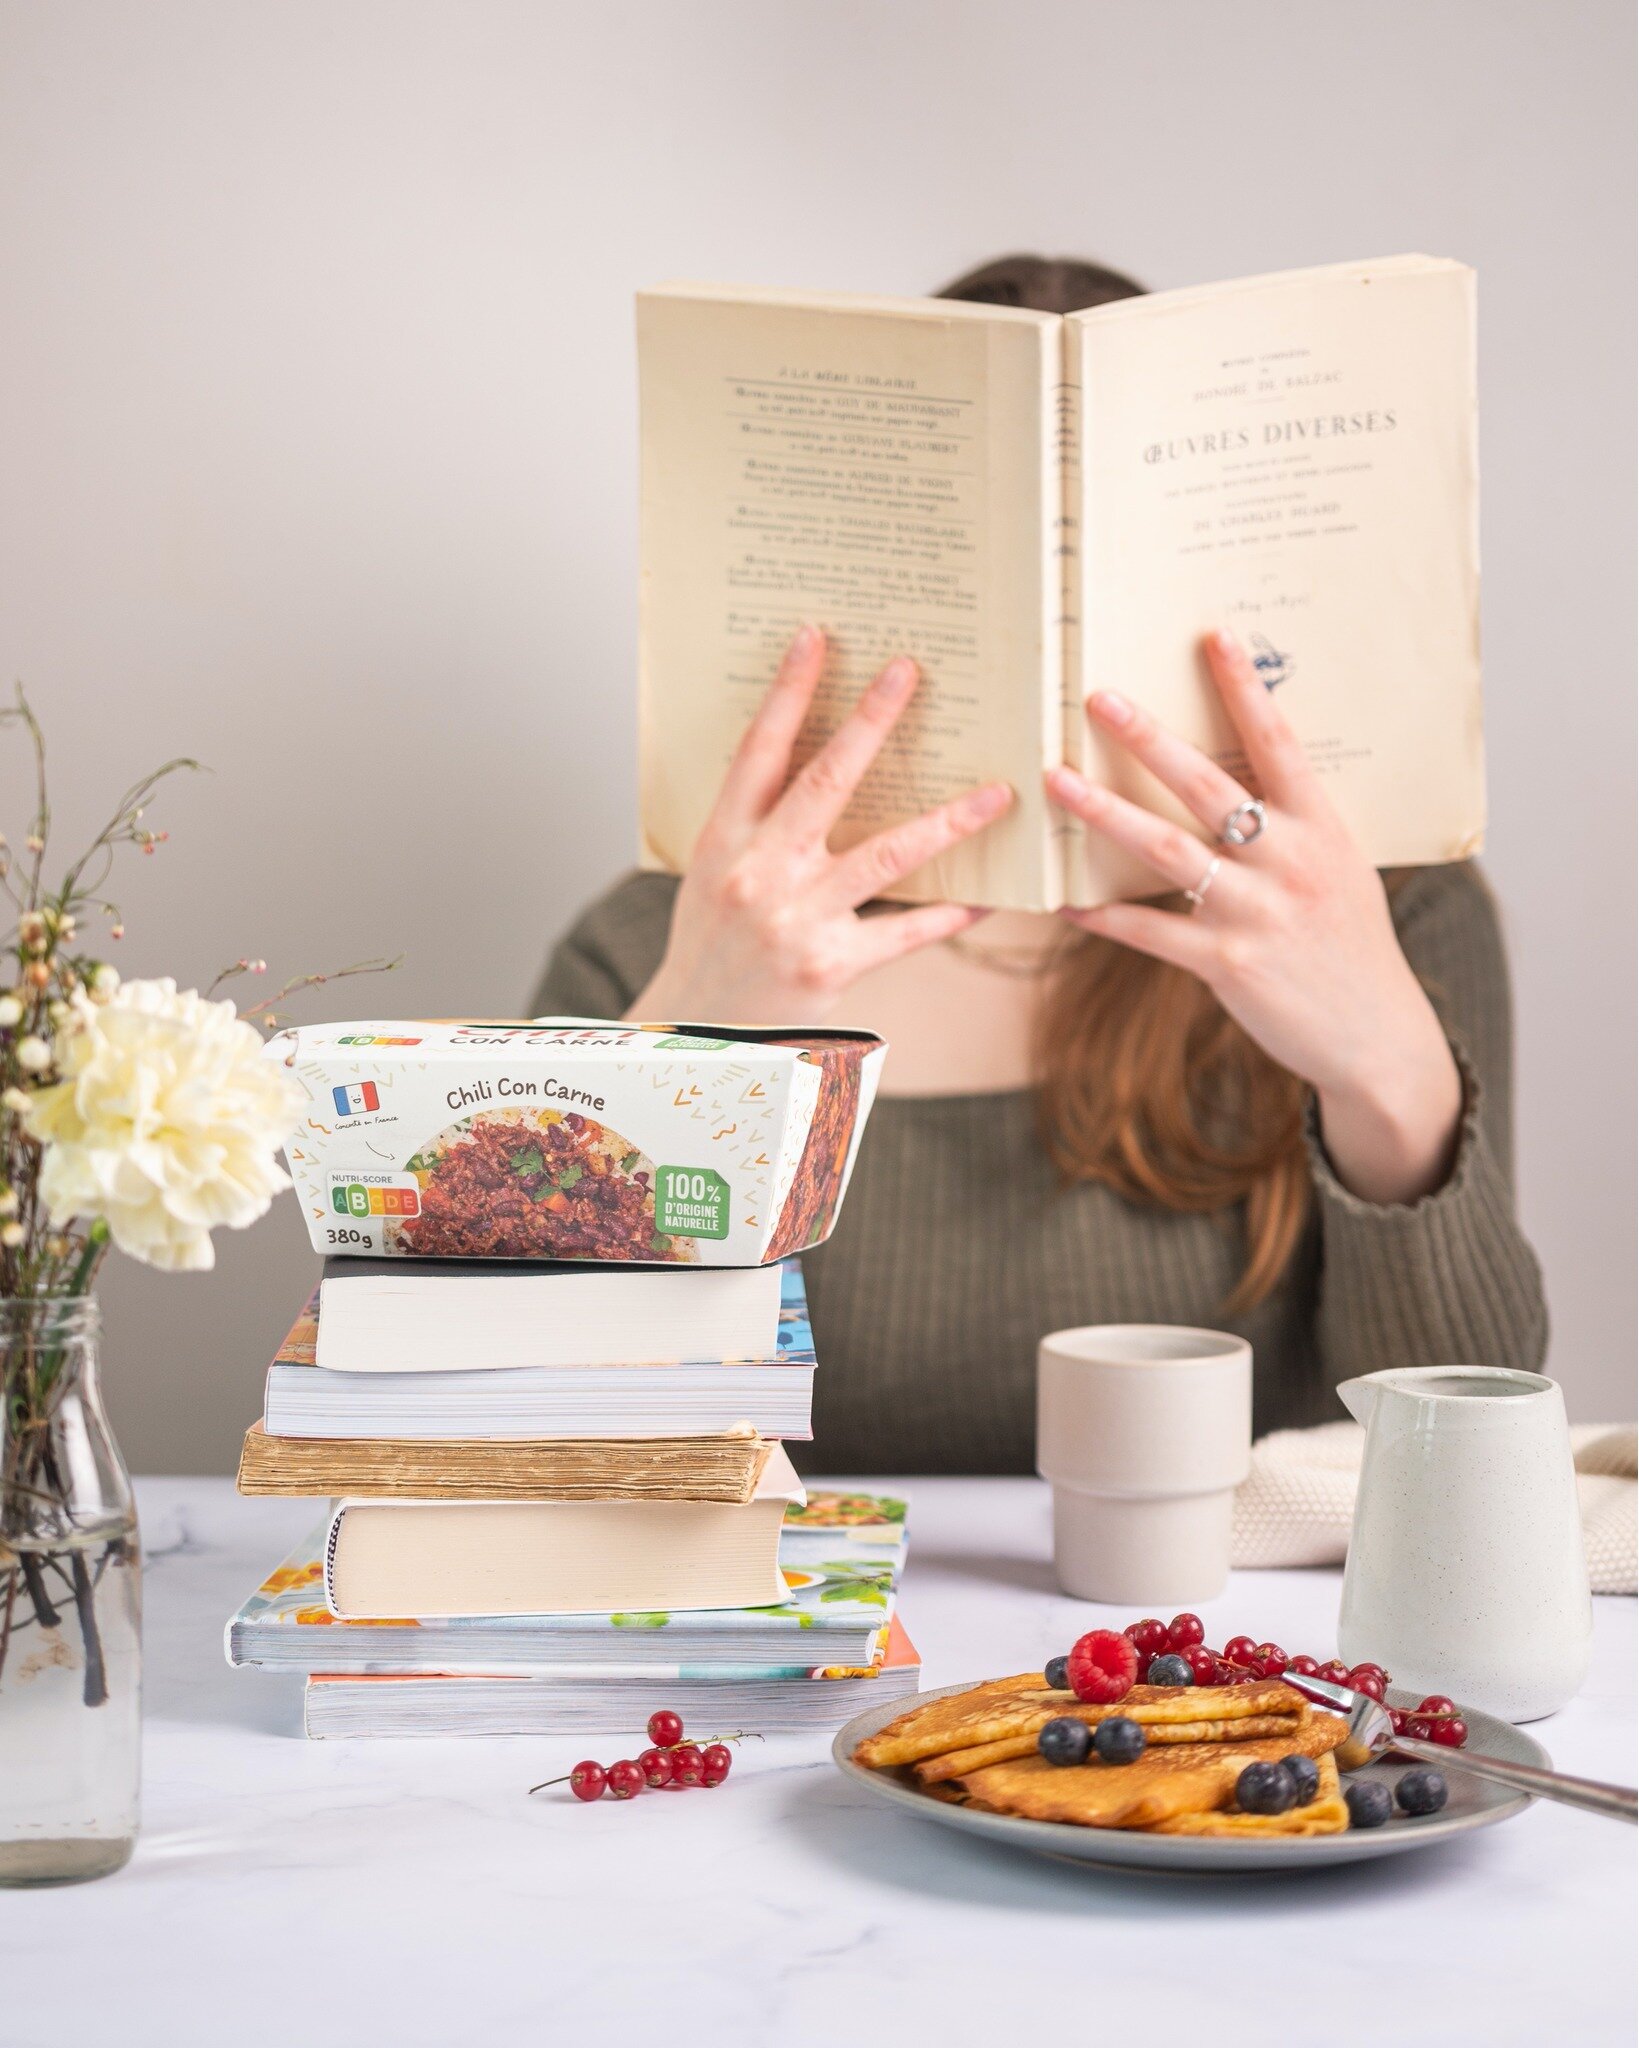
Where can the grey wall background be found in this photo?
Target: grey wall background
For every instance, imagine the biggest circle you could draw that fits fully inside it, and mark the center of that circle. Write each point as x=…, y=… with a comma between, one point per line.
x=317, y=454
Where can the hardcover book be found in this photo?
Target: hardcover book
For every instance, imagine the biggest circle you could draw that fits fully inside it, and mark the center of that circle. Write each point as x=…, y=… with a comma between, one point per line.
x=722, y=1468
x=1036, y=508
x=773, y=1396
x=840, y=1558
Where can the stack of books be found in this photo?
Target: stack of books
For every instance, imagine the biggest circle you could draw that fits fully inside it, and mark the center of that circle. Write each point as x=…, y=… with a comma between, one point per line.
x=558, y=1489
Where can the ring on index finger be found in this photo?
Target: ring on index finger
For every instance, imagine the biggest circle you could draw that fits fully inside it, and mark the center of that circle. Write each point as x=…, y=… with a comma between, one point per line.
x=1244, y=823
x=1197, y=896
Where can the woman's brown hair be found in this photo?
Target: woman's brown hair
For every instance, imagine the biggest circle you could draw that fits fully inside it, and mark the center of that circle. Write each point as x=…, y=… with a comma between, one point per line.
x=1146, y=1083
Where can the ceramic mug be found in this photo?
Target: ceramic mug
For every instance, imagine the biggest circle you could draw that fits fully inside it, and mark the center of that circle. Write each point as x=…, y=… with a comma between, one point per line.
x=1466, y=1572
x=1143, y=1431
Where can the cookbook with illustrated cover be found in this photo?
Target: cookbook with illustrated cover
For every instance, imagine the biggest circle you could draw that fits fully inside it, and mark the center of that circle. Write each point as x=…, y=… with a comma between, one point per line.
x=840, y=1555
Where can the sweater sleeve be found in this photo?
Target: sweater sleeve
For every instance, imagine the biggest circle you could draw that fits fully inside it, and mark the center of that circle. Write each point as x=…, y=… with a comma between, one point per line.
x=607, y=956
x=1448, y=1279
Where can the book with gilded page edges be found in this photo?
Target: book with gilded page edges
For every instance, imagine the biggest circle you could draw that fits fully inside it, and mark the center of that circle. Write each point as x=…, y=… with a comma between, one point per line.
x=1036, y=508
x=840, y=1558
x=706, y=1468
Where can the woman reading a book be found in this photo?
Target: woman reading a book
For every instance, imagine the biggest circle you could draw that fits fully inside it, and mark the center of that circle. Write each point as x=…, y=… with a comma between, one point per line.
x=1275, y=1099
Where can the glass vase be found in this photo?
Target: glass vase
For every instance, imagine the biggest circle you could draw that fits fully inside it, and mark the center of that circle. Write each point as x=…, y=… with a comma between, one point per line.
x=70, y=1606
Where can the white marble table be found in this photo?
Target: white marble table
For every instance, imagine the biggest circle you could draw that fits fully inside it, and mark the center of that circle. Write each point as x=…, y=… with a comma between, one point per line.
x=408, y=1892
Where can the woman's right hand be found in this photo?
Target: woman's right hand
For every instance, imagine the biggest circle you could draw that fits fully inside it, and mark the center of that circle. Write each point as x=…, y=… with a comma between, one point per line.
x=766, y=928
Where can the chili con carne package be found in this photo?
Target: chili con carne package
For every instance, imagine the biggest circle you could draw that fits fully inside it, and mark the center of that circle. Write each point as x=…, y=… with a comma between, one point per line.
x=573, y=1139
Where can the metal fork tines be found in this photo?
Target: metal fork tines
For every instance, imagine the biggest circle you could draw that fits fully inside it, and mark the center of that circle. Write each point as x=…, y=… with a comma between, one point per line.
x=1371, y=1727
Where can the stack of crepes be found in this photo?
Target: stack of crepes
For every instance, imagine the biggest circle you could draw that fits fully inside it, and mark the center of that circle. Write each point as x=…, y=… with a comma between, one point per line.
x=979, y=1748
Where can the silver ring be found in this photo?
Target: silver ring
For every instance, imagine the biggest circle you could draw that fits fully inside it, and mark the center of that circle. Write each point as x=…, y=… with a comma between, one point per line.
x=1197, y=896
x=1244, y=824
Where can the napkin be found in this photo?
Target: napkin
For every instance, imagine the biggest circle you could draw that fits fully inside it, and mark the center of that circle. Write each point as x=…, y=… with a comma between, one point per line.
x=1297, y=1502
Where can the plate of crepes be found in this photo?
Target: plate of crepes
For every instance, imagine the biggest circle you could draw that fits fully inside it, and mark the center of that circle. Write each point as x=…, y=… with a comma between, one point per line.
x=1164, y=1793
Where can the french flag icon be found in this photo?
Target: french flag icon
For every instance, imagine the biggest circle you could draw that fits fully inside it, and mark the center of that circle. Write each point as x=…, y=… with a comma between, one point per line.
x=355, y=1100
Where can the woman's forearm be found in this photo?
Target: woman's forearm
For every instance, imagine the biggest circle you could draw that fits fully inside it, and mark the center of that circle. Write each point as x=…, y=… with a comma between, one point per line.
x=1392, y=1135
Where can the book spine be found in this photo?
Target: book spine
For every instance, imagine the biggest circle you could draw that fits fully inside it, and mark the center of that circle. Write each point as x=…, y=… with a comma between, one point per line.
x=1065, y=739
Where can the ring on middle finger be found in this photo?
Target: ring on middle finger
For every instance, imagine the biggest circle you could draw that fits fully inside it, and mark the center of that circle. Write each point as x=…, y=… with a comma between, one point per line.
x=1244, y=823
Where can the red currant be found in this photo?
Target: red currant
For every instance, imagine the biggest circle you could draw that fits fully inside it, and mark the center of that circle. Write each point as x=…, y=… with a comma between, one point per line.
x=1148, y=1638
x=656, y=1766
x=1202, y=1663
x=1450, y=1729
x=716, y=1761
x=1397, y=1719
x=1184, y=1631
x=1368, y=1682
x=1273, y=1659
x=587, y=1780
x=1305, y=1667
x=1368, y=1665
x=1103, y=1667
x=688, y=1766
x=1437, y=1703
x=625, y=1779
x=665, y=1728
x=1420, y=1726
x=1334, y=1671
x=1240, y=1650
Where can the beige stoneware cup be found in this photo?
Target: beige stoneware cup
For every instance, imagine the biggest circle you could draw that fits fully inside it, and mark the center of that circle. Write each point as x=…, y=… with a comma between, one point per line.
x=1143, y=1431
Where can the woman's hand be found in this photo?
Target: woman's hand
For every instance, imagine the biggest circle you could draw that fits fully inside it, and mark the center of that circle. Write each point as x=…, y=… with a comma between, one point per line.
x=1293, y=935
x=766, y=927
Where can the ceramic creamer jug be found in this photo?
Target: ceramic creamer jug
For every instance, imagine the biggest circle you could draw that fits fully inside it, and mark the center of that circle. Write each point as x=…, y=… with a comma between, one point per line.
x=1466, y=1572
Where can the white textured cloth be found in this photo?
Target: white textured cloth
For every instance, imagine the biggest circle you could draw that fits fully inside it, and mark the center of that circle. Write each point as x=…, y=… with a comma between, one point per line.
x=1297, y=1502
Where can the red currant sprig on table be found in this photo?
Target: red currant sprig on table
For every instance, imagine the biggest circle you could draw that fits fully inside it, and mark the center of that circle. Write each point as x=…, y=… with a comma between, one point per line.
x=670, y=1765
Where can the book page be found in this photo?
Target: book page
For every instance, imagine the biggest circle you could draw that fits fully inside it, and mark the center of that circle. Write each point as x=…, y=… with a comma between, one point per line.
x=1292, y=457
x=885, y=469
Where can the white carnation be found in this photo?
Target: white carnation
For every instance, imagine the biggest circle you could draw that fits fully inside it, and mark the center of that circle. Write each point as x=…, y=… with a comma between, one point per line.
x=166, y=1122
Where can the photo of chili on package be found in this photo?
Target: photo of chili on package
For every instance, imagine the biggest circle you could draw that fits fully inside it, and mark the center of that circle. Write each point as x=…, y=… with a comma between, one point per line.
x=568, y=1138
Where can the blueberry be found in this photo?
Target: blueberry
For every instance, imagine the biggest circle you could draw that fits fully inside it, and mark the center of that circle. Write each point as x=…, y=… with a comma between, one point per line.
x=1369, y=1802
x=1420, y=1791
x=1304, y=1774
x=1170, y=1671
x=1265, y=1788
x=1119, y=1740
x=1057, y=1673
x=1065, y=1740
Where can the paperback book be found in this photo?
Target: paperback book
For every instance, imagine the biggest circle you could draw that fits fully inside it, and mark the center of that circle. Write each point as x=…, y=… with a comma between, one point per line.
x=840, y=1556
x=770, y=1699
x=445, y=1559
x=678, y=1397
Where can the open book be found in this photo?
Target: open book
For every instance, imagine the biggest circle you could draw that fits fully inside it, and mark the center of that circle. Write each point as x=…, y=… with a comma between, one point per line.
x=1036, y=508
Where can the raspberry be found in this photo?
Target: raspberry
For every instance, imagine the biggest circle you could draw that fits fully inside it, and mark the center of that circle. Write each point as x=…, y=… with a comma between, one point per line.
x=1102, y=1667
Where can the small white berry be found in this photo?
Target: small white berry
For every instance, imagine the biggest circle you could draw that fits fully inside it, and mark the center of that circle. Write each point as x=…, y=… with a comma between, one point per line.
x=14, y=1099
x=33, y=1054
x=11, y=1012
x=12, y=1235
x=105, y=982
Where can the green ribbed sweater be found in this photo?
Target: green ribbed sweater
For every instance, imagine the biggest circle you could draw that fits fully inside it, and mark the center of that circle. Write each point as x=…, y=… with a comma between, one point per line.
x=958, y=1248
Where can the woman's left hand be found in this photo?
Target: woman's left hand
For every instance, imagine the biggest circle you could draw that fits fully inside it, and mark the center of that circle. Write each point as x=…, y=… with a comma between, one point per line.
x=1293, y=933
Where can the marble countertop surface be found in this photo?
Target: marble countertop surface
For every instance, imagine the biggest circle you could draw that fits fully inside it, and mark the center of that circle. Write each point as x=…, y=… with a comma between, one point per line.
x=408, y=1892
